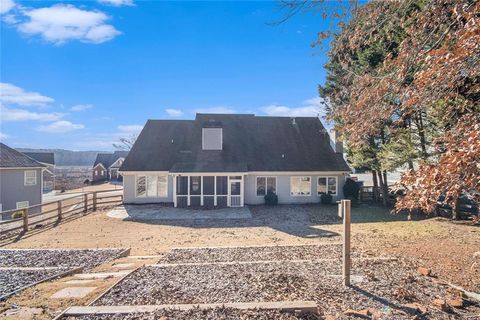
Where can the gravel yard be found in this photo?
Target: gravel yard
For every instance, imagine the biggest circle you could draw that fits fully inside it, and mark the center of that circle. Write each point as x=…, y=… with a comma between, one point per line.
x=87, y=258
x=217, y=313
x=14, y=279
x=255, y=253
x=382, y=291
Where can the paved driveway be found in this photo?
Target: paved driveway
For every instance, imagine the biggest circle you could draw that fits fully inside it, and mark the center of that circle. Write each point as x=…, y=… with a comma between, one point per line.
x=156, y=212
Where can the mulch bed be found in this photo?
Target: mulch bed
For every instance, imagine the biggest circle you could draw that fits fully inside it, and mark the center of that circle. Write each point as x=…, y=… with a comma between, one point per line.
x=265, y=253
x=87, y=258
x=58, y=262
x=217, y=313
x=390, y=289
x=12, y=280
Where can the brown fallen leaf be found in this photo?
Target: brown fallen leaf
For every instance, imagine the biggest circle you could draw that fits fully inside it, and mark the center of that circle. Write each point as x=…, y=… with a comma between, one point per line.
x=424, y=271
x=455, y=302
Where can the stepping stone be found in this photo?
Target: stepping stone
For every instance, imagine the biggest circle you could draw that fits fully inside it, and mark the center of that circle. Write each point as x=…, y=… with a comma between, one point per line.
x=102, y=275
x=81, y=281
x=123, y=265
x=72, y=292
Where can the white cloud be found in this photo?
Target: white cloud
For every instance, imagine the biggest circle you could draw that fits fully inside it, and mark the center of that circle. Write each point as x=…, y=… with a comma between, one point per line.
x=81, y=107
x=7, y=114
x=313, y=107
x=216, y=110
x=130, y=128
x=60, y=127
x=174, y=112
x=117, y=3
x=62, y=22
x=4, y=136
x=6, y=5
x=9, y=19
x=11, y=94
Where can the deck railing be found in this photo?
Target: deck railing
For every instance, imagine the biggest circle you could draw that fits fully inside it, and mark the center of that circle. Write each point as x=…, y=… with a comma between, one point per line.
x=24, y=219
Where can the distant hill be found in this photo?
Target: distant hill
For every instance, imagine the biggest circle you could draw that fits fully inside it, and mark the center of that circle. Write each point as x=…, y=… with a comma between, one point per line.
x=68, y=157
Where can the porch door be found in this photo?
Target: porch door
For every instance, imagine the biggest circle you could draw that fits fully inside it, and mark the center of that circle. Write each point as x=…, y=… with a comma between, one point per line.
x=235, y=192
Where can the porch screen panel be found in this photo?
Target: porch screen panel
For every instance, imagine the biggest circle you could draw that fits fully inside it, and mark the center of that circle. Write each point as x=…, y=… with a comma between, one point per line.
x=182, y=186
x=222, y=186
x=195, y=185
x=208, y=192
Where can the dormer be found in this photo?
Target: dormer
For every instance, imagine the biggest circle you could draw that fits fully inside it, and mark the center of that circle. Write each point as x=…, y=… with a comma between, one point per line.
x=212, y=135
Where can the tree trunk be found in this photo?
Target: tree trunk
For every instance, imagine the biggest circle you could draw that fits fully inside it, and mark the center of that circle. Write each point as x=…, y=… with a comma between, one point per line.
x=423, y=140
x=456, y=210
x=385, y=187
x=376, y=198
x=382, y=189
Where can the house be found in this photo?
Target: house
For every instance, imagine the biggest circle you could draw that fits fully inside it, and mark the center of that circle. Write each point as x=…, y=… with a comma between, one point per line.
x=220, y=160
x=20, y=180
x=106, y=166
x=47, y=159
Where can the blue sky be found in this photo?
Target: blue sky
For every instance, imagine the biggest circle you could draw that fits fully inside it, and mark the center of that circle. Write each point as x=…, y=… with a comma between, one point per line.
x=79, y=75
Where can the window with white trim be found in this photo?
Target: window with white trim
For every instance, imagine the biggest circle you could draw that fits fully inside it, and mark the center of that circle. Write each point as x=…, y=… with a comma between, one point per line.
x=300, y=186
x=265, y=185
x=327, y=185
x=22, y=204
x=30, y=177
x=151, y=186
x=103, y=172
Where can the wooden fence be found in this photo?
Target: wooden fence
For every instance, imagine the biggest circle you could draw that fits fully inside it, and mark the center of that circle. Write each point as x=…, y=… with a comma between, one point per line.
x=56, y=211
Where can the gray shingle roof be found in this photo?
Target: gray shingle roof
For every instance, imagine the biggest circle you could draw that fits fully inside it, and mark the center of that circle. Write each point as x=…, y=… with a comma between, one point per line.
x=250, y=143
x=107, y=159
x=45, y=157
x=11, y=158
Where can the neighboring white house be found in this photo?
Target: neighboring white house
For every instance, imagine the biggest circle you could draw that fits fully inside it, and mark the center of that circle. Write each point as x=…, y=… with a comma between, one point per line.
x=222, y=160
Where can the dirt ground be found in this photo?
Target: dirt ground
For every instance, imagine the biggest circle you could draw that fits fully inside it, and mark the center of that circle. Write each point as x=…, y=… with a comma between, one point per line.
x=450, y=250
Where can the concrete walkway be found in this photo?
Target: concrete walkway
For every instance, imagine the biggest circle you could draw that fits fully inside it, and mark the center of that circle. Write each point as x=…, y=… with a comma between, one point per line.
x=157, y=212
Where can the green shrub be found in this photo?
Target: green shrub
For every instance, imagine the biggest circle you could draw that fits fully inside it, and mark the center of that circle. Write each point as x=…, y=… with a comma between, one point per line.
x=271, y=199
x=326, y=198
x=17, y=214
x=351, y=189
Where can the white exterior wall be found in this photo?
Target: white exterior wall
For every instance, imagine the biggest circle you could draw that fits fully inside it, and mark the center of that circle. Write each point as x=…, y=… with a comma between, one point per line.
x=283, y=189
x=129, y=191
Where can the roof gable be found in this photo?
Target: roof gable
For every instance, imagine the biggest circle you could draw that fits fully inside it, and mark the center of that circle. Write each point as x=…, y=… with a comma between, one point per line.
x=250, y=143
x=11, y=158
x=107, y=159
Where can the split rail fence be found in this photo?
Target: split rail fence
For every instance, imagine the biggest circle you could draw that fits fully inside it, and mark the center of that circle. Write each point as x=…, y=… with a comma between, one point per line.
x=56, y=211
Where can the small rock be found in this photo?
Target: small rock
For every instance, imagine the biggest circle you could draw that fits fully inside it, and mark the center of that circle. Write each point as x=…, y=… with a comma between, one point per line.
x=424, y=271
x=362, y=313
x=477, y=255
x=455, y=302
x=456, y=292
x=440, y=303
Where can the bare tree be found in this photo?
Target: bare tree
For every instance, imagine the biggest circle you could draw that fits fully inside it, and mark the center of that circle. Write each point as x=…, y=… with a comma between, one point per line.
x=126, y=143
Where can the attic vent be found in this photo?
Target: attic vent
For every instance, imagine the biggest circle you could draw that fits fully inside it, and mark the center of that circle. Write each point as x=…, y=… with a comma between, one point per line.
x=293, y=121
x=172, y=141
x=212, y=138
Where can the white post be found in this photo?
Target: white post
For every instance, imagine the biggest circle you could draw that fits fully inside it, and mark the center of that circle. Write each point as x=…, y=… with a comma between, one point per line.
x=188, y=192
x=228, y=192
x=215, y=191
x=201, y=191
x=174, y=190
x=241, y=190
x=346, y=208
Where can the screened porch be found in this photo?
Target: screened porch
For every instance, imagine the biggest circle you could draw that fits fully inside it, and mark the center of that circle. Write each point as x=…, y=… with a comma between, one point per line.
x=208, y=191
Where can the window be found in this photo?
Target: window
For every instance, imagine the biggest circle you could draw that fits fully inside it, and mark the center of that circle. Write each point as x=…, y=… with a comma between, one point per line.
x=300, y=186
x=327, y=185
x=103, y=172
x=212, y=138
x=22, y=204
x=195, y=185
x=151, y=186
x=30, y=177
x=141, y=186
x=265, y=185
x=162, y=186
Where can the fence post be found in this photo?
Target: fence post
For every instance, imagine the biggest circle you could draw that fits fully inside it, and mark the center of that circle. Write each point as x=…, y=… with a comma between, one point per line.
x=346, y=208
x=25, y=219
x=59, y=209
x=95, y=201
x=85, y=202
